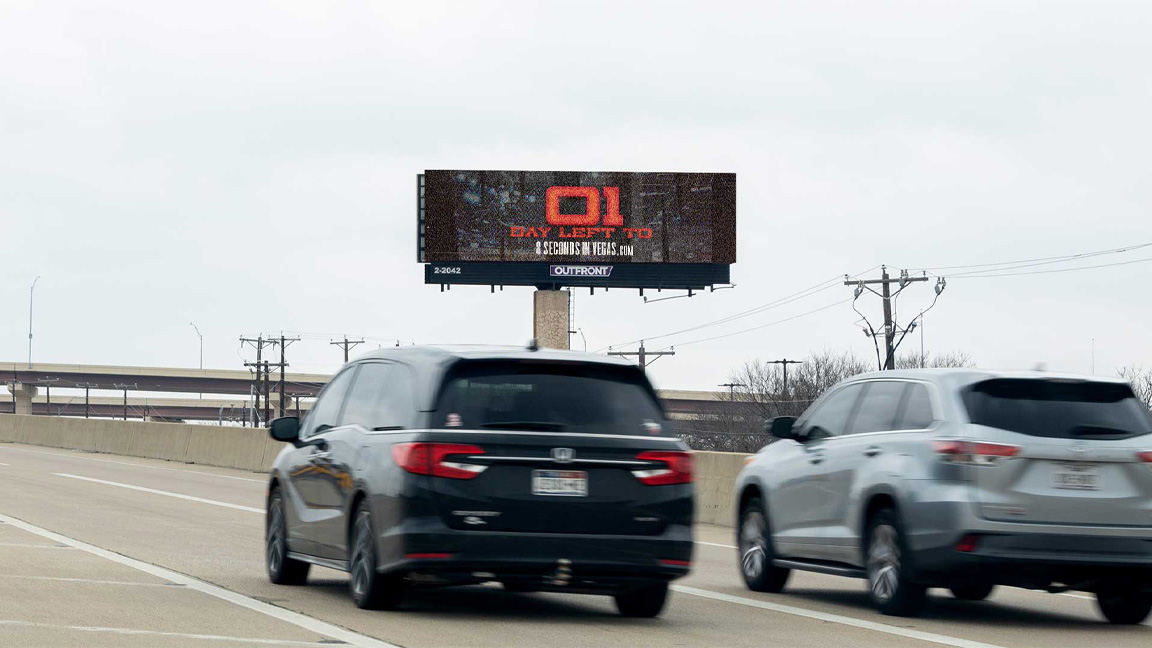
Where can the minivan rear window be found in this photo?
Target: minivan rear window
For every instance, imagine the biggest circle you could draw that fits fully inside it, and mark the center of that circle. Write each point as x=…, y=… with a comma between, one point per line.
x=1058, y=409
x=551, y=398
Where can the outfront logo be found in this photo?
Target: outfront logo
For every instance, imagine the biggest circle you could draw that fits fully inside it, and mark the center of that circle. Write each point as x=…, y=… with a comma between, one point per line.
x=579, y=271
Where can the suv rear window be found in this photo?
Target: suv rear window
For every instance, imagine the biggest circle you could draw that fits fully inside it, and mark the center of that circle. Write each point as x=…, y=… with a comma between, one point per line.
x=1058, y=409
x=550, y=397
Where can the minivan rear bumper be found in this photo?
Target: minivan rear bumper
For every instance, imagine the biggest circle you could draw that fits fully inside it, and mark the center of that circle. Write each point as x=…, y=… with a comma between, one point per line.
x=436, y=554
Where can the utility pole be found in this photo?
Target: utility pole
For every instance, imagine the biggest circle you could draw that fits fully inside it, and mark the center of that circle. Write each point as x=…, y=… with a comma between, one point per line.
x=731, y=389
x=47, y=382
x=887, y=295
x=283, y=342
x=261, y=366
x=86, y=387
x=784, y=363
x=642, y=355
x=125, y=388
x=347, y=344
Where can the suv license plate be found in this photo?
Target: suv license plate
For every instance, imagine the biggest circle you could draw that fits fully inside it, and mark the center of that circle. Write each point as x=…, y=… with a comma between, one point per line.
x=1076, y=476
x=570, y=483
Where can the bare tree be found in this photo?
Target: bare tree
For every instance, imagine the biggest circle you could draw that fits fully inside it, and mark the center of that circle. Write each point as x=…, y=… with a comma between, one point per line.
x=1141, y=381
x=952, y=359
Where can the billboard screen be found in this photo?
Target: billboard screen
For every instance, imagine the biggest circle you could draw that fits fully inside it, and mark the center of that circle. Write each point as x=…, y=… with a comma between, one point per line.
x=564, y=219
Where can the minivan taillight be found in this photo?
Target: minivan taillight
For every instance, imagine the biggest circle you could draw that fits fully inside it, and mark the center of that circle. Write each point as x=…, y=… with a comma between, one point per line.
x=1146, y=456
x=677, y=468
x=432, y=459
x=971, y=453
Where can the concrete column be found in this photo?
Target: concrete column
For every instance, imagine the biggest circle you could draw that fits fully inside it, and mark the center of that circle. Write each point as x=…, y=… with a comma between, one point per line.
x=24, y=394
x=550, y=318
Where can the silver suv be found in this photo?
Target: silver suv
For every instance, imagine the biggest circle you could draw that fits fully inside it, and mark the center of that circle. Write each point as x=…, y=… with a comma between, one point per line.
x=958, y=479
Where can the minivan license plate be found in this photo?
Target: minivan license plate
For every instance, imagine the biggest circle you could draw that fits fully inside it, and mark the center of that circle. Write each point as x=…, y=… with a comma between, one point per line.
x=571, y=483
x=1076, y=476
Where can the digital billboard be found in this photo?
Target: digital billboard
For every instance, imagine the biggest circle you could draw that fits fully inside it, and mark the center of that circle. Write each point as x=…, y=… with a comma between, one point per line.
x=577, y=228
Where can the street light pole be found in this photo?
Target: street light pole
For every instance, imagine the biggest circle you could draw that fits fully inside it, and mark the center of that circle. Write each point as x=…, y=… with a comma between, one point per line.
x=197, y=329
x=31, y=294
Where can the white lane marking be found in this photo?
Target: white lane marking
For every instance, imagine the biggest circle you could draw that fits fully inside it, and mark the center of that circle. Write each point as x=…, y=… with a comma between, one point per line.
x=157, y=633
x=32, y=546
x=1068, y=594
x=238, y=507
x=295, y=618
x=834, y=618
x=137, y=465
x=3, y=464
x=91, y=581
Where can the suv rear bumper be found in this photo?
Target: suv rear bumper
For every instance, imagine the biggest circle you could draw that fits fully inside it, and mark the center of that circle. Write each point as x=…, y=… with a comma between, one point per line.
x=1017, y=553
x=437, y=554
x=1038, y=561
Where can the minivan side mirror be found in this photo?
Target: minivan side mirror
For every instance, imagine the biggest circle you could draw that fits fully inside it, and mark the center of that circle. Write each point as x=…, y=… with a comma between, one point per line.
x=781, y=427
x=286, y=429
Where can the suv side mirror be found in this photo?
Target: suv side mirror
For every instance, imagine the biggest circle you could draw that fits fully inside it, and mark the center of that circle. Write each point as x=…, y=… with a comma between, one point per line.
x=286, y=429
x=781, y=427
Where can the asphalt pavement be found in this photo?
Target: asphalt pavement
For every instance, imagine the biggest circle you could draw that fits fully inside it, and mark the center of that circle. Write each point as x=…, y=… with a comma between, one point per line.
x=101, y=550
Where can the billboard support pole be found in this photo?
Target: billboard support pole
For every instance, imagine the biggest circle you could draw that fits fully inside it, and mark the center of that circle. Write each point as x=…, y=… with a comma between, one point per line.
x=550, y=318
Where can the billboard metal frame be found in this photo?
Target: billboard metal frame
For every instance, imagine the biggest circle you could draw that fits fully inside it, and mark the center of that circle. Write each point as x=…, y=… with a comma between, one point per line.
x=554, y=275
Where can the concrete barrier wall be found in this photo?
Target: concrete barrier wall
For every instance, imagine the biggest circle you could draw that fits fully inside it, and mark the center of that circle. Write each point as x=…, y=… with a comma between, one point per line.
x=252, y=449
x=229, y=447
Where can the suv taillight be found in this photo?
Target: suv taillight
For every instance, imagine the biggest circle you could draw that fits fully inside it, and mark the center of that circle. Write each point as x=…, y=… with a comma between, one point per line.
x=432, y=459
x=677, y=468
x=971, y=453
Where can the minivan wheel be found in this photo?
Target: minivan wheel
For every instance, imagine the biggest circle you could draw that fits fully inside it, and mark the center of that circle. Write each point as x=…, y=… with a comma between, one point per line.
x=888, y=580
x=282, y=570
x=1124, y=606
x=370, y=590
x=756, y=553
x=972, y=592
x=642, y=602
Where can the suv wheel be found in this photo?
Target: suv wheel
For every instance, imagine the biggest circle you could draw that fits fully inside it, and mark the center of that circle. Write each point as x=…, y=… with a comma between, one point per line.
x=282, y=570
x=370, y=590
x=1124, y=606
x=972, y=592
x=756, y=553
x=888, y=580
x=642, y=602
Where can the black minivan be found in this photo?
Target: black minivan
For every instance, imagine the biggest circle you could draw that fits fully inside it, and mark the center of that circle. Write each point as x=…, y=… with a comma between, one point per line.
x=542, y=470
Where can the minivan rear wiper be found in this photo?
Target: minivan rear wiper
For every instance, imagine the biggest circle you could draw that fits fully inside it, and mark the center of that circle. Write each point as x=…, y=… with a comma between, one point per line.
x=1098, y=430
x=541, y=426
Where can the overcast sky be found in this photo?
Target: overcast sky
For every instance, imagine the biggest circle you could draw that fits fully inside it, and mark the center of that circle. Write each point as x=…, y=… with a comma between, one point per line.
x=251, y=167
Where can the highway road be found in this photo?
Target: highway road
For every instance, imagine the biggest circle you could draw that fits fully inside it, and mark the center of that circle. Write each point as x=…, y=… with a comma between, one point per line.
x=100, y=550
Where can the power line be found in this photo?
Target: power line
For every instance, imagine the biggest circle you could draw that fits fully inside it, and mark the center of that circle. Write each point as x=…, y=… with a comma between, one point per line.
x=763, y=326
x=1054, y=259
x=1037, y=272
x=783, y=301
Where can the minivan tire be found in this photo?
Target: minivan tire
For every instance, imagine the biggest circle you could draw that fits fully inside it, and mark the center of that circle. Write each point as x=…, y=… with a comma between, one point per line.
x=972, y=592
x=370, y=589
x=642, y=602
x=754, y=544
x=282, y=570
x=1124, y=606
x=887, y=566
